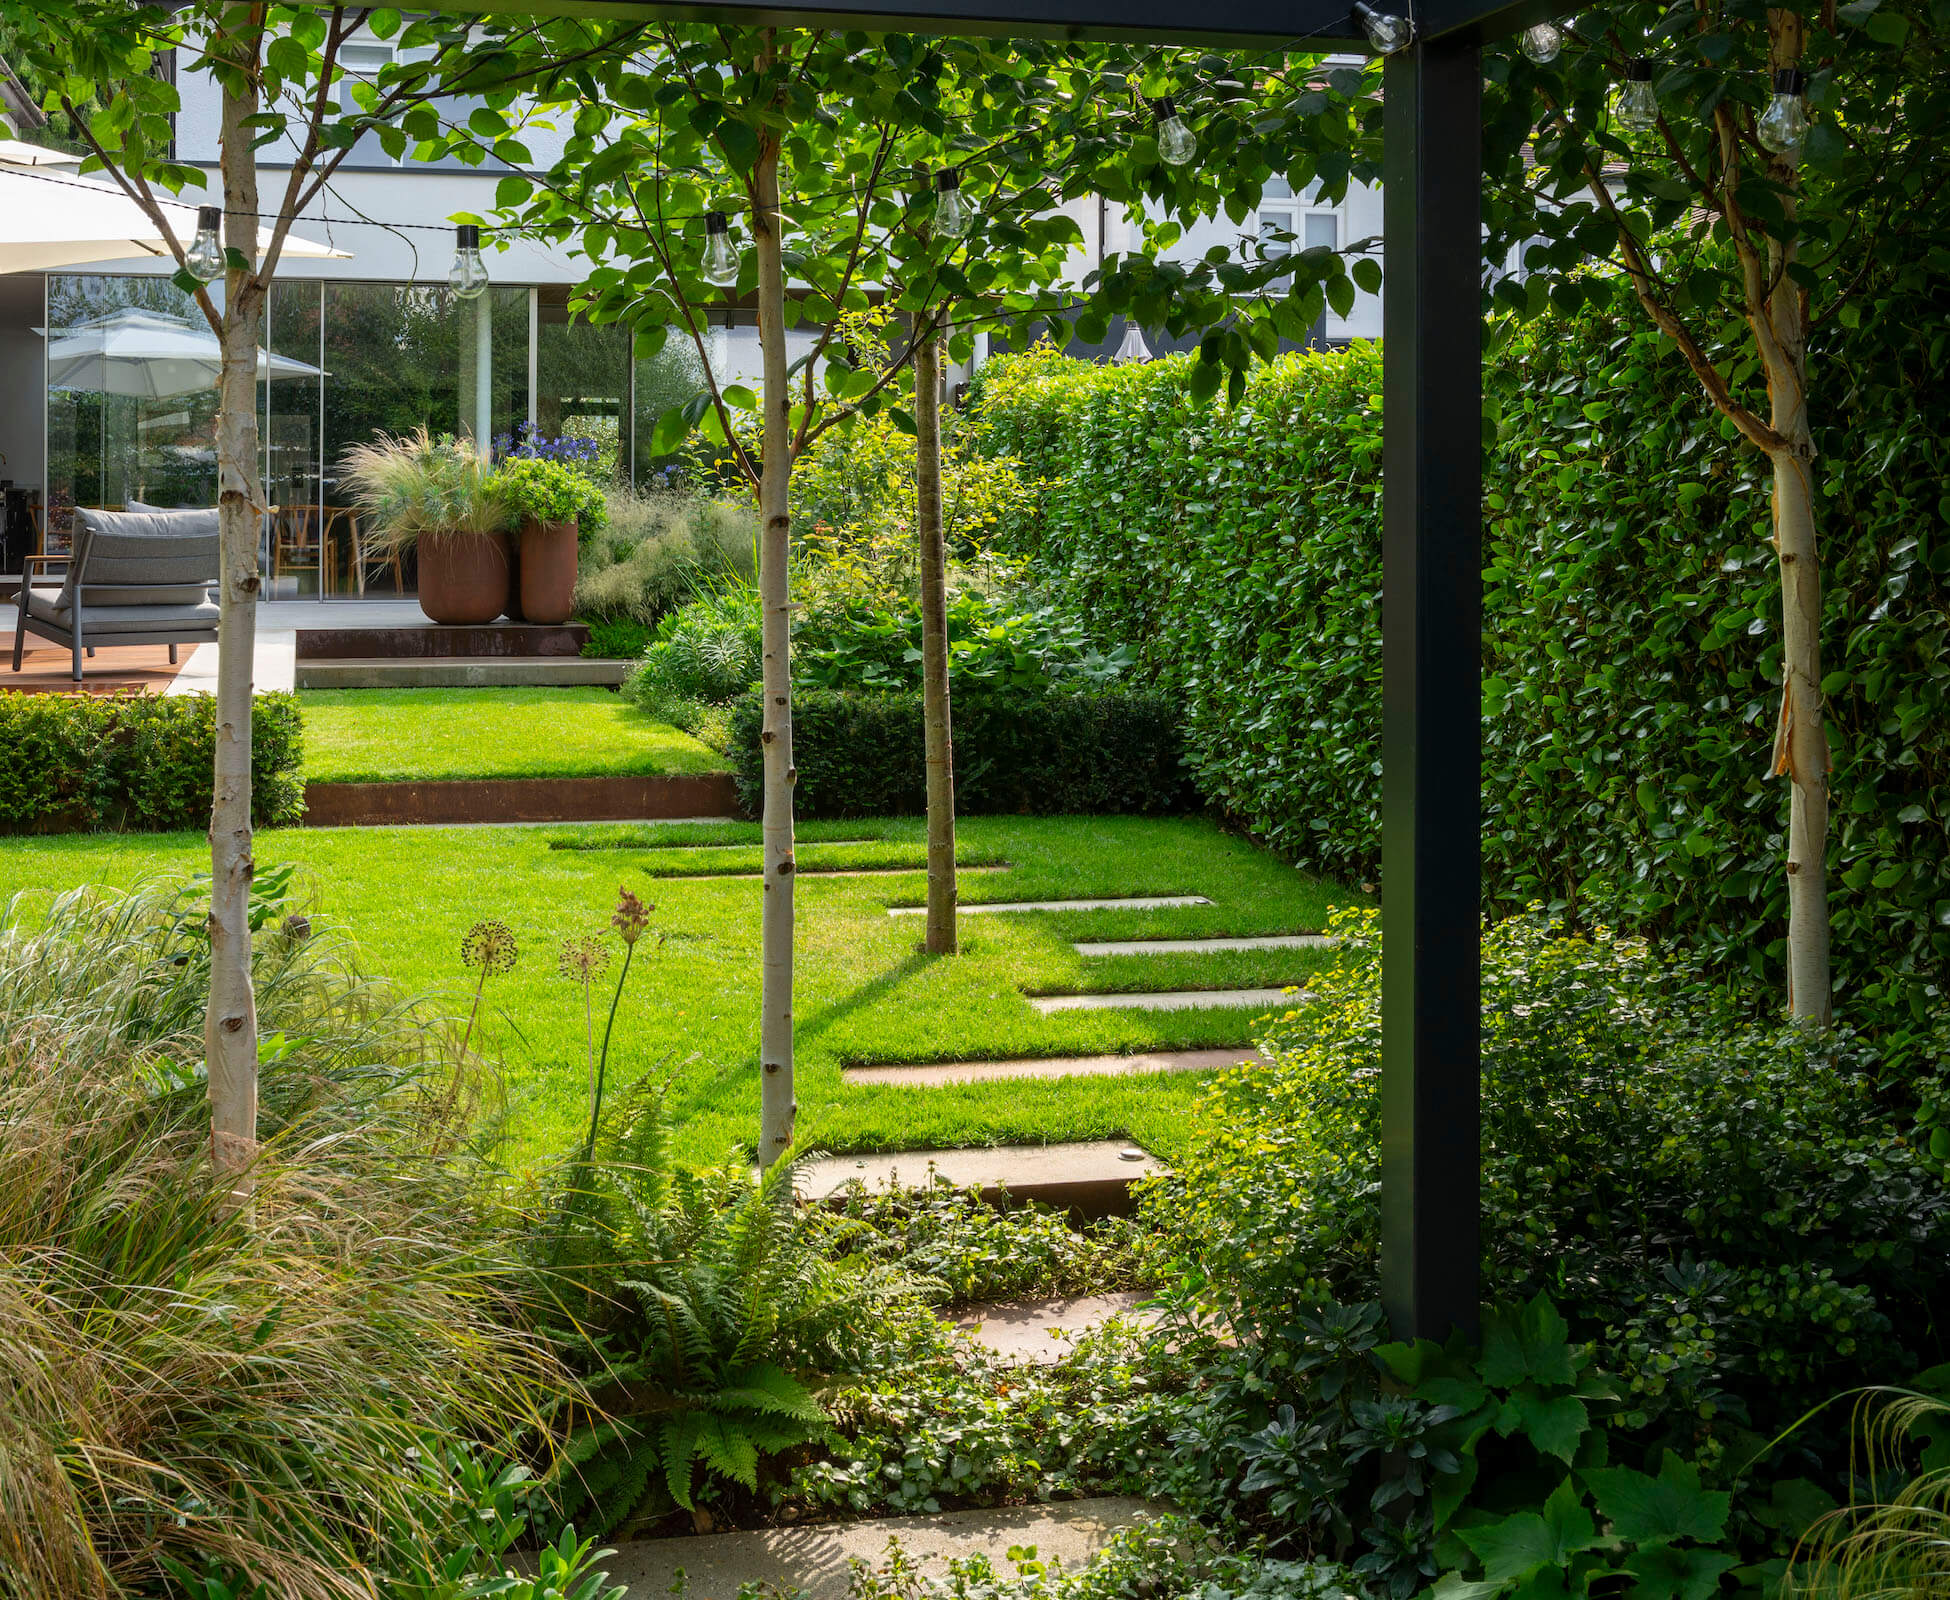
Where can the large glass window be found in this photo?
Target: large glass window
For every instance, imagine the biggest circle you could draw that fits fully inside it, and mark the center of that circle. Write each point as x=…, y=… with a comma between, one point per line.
x=132, y=400
x=582, y=382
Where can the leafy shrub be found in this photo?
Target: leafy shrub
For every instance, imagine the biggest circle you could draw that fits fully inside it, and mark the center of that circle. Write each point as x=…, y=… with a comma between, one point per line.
x=661, y=550
x=699, y=659
x=993, y=643
x=860, y=755
x=700, y=1310
x=1631, y=650
x=531, y=487
x=186, y=1383
x=1720, y=1202
x=137, y=762
x=615, y=641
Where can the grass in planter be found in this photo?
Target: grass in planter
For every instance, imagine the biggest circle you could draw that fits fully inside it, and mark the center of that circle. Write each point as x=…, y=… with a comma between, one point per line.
x=865, y=994
x=380, y=735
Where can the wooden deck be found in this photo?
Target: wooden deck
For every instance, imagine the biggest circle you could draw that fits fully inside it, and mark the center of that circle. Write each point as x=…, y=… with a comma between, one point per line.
x=46, y=668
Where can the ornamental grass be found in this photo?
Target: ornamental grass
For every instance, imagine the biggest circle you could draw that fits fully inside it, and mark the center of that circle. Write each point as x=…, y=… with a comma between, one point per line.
x=193, y=1387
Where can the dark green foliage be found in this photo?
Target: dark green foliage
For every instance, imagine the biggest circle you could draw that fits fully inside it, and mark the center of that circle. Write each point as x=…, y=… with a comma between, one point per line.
x=699, y=1309
x=993, y=643
x=1631, y=638
x=860, y=755
x=140, y=763
x=612, y=639
x=1720, y=1202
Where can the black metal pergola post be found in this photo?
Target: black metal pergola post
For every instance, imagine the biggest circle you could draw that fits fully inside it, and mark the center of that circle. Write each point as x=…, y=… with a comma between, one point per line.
x=1432, y=552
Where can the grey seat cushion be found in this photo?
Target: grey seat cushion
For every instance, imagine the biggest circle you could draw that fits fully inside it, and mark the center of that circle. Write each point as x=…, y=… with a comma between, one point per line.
x=143, y=558
x=98, y=622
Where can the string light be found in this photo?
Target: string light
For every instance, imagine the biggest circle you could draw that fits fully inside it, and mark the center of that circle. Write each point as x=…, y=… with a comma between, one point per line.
x=1388, y=33
x=468, y=276
x=720, y=254
x=204, y=258
x=1542, y=42
x=950, y=210
x=1176, y=143
x=1638, y=107
x=1783, y=126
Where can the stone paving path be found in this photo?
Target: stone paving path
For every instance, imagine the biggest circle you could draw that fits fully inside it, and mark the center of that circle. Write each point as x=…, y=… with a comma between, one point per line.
x=819, y=872
x=1043, y=1330
x=1165, y=1000
x=934, y=1073
x=1198, y=947
x=1093, y=1178
x=814, y=1559
x=1127, y=903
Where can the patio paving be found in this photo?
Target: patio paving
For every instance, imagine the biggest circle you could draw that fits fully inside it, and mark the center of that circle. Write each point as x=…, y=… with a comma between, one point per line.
x=46, y=668
x=927, y=1074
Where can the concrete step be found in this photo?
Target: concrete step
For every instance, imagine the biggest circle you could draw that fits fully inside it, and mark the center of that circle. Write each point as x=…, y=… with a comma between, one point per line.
x=1195, y=947
x=1042, y=1331
x=460, y=672
x=1093, y=1178
x=1166, y=1000
x=931, y=1074
x=1126, y=903
x=816, y=1558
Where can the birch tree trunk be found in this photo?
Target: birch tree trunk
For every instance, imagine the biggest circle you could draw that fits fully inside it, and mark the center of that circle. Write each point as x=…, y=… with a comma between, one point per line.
x=941, y=938
x=777, y=1107
x=230, y=1023
x=1801, y=742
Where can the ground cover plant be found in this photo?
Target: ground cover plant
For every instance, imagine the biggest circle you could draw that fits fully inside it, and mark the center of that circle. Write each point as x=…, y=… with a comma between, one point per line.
x=407, y=896
x=380, y=735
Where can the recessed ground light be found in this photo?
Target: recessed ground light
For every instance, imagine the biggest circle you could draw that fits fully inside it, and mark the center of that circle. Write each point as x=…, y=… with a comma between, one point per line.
x=1130, y=1155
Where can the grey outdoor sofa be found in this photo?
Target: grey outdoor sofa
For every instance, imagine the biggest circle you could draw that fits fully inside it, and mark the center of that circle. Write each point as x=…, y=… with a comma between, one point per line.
x=140, y=577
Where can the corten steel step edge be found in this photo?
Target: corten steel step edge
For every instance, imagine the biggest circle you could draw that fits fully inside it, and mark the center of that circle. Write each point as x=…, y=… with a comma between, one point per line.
x=436, y=640
x=342, y=805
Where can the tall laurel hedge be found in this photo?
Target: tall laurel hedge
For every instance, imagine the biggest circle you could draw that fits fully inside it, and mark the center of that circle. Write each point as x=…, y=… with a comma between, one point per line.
x=1631, y=622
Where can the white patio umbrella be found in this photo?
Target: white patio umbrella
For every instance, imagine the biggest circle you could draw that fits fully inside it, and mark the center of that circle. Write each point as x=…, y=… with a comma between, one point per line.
x=51, y=219
x=148, y=355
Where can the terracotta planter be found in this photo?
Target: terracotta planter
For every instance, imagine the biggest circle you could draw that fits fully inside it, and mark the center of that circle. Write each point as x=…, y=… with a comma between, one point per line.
x=463, y=577
x=548, y=570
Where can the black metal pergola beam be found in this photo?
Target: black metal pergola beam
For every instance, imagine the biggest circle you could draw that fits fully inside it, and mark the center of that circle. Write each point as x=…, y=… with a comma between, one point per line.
x=1432, y=551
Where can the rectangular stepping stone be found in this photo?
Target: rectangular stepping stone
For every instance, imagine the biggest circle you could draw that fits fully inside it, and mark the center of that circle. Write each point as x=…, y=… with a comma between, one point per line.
x=931, y=1073
x=1042, y=1330
x=1194, y=947
x=1128, y=903
x=818, y=872
x=816, y=1559
x=1164, y=1000
x=1093, y=1178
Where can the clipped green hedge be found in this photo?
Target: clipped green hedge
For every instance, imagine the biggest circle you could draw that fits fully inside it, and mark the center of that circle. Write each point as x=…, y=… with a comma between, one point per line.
x=134, y=762
x=1631, y=633
x=860, y=755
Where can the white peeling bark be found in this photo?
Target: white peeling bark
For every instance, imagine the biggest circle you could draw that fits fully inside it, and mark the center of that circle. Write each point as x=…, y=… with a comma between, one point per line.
x=230, y=1023
x=940, y=745
x=777, y=1106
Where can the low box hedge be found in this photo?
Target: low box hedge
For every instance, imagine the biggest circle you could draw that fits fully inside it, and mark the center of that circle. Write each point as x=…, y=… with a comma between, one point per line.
x=135, y=762
x=1016, y=753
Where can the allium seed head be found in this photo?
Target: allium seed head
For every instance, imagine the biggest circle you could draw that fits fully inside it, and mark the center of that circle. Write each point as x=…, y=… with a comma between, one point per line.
x=490, y=946
x=584, y=958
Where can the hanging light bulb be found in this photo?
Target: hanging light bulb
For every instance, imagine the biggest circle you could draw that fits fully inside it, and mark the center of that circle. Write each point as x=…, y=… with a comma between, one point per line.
x=1638, y=107
x=1133, y=348
x=720, y=254
x=1177, y=144
x=468, y=276
x=1387, y=32
x=204, y=258
x=1542, y=42
x=1783, y=126
x=950, y=210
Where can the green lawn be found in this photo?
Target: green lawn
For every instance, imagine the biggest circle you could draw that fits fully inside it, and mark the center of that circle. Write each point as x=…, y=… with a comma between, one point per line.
x=864, y=993
x=367, y=735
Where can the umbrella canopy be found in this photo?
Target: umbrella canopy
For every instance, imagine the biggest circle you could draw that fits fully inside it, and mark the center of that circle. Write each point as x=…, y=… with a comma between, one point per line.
x=149, y=355
x=56, y=219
